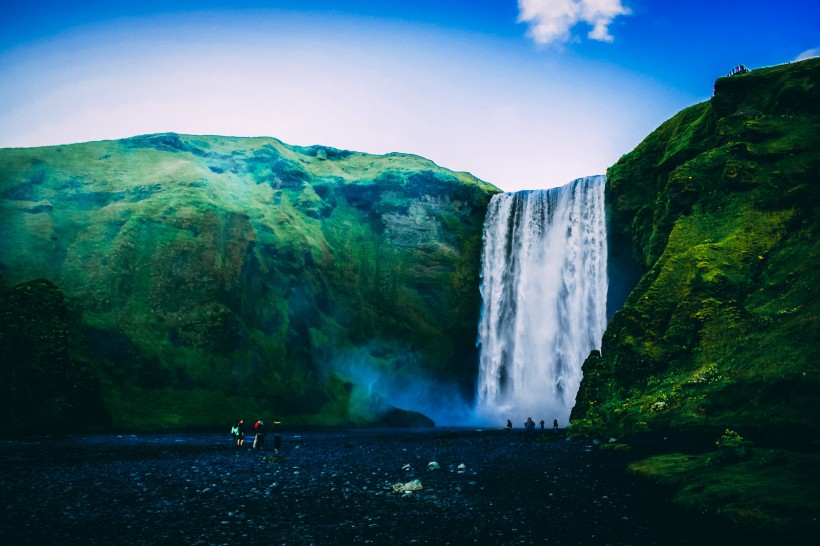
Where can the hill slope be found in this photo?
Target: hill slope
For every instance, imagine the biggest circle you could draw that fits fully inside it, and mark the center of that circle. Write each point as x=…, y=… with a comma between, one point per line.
x=201, y=278
x=719, y=208
x=719, y=211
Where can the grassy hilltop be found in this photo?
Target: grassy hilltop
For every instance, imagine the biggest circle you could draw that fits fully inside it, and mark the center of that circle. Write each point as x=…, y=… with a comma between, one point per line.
x=718, y=211
x=182, y=280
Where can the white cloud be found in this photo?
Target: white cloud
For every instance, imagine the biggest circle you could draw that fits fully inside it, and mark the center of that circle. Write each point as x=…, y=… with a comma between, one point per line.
x=808, y=54
x=552, y=20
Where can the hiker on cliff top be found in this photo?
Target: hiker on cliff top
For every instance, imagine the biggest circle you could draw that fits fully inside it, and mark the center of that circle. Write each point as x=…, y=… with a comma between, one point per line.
x=238, y=433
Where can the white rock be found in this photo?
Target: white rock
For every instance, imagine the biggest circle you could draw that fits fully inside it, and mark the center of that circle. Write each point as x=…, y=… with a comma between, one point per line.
x=433, y=465
x=414, y=485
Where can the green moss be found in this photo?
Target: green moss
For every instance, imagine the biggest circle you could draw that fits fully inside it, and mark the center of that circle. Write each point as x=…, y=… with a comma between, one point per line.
x=155, y=409
x=720, y=206
x=773, y=490
x=44, y=387
x=222, y=267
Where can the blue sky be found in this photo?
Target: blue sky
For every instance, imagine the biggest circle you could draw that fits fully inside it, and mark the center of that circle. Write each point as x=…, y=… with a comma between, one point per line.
x=524, y=94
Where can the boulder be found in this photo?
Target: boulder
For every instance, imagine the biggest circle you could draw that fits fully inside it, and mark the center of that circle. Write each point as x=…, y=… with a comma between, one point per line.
x=399, y=418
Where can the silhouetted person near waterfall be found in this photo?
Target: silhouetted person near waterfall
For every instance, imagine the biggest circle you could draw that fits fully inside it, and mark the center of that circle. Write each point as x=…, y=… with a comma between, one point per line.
x=529, y=426
x=509, y=426
x=555, y=425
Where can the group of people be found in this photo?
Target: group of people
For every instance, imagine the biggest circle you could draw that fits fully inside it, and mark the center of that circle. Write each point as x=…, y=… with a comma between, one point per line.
x=529, y=425
x=260, y=430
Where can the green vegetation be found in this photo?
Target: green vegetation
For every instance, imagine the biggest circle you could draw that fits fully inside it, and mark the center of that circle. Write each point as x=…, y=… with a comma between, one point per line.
x=720, y=206
x=770, y=490
x=719, y=209
x=41, y=385
x=209, y=277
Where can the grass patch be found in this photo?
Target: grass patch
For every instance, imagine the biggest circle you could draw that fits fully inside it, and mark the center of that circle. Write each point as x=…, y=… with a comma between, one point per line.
x=774, y=490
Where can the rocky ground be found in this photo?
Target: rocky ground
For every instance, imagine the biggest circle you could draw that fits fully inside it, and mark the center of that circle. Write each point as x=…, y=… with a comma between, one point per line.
x=334, y=487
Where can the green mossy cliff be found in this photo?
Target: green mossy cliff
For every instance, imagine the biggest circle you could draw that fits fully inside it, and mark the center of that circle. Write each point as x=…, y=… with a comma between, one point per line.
x=718, y=209
x=171, y=280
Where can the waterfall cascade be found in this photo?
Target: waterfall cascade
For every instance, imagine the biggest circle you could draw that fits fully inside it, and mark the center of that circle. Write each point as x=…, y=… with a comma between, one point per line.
x=544, y=287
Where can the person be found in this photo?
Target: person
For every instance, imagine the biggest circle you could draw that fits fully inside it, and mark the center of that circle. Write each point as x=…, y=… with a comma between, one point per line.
x=509, y=425
x=529, y=425
x=238, y=433
x=555, y=425
x=542, y=424
x=259, y=437
x=277, y=435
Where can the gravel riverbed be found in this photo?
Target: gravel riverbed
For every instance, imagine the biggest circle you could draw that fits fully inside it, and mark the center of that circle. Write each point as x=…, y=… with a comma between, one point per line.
x=333, y=487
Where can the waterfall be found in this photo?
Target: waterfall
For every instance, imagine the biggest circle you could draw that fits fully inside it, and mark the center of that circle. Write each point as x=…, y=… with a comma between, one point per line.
x=543, y=286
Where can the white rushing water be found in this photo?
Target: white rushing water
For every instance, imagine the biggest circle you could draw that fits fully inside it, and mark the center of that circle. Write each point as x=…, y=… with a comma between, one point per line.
x=544, y=286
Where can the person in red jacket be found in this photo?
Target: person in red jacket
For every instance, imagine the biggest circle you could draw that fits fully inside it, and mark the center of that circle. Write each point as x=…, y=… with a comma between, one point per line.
x=259, y=437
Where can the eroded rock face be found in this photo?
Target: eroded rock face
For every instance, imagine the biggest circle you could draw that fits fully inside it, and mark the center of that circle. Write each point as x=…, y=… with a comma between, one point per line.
x=719, y=210
x=213, y=275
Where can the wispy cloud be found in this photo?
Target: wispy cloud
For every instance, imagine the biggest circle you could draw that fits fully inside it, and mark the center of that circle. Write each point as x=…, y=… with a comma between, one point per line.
x=808, y=54
x=551, y=21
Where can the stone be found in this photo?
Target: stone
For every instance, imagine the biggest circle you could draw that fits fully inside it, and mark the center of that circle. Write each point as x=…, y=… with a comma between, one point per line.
x=414, y=485
x=400, y=418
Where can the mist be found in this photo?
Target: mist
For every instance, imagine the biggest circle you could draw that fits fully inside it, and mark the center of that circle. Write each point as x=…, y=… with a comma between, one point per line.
x=385, y=377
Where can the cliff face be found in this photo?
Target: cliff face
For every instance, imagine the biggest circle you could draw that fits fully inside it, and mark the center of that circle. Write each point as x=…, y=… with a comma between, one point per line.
x=718, y=209
x=211, y=277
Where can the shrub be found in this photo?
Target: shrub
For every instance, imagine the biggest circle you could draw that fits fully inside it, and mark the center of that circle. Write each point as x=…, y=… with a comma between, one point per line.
x=731, y=447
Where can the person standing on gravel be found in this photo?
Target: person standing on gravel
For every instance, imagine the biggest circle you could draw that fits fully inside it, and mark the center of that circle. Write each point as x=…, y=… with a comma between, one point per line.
x=259, y=438
x=529, y=426
x=238, y=433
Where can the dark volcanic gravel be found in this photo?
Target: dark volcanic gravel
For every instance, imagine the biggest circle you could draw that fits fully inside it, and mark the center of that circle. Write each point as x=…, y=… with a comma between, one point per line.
x=331, y=487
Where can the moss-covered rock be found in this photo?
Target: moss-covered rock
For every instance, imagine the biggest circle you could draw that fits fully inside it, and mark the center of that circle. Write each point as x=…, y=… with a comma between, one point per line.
x=43, y=388
x=769, y=491
x=719, y=209
x=213, y=277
